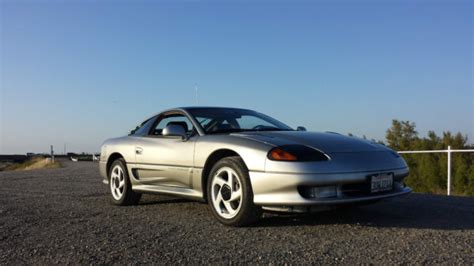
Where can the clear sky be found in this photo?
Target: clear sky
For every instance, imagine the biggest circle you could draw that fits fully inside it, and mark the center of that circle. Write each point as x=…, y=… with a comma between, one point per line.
x=79, y=72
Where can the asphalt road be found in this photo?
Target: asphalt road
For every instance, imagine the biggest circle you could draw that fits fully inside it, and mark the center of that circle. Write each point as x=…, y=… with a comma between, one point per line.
x=63, y=216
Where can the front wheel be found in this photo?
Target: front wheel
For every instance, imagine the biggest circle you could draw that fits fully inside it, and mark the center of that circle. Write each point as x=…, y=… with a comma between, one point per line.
x=120, y=186
x=230, y=195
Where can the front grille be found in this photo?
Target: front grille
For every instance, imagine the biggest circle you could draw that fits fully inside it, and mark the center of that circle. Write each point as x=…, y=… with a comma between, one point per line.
x=357, y=189
x=347, y=190
x=363, y=189
x=311, y=192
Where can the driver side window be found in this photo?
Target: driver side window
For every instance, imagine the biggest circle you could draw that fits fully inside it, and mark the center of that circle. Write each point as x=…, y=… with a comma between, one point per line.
x=176, y=119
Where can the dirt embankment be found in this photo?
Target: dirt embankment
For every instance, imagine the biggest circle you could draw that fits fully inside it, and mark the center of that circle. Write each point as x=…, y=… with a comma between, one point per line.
x=31, y=164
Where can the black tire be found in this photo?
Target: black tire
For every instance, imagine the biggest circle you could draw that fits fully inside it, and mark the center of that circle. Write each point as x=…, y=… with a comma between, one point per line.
x=248, y=213
x=128, y=196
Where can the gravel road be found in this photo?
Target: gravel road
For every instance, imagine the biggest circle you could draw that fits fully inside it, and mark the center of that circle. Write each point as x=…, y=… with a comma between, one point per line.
x=63, y=216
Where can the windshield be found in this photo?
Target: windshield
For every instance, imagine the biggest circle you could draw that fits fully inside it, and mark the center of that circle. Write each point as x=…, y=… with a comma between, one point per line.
x=227, y=120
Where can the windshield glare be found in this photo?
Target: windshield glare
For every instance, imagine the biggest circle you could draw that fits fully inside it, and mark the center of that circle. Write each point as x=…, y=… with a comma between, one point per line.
x=226, y=120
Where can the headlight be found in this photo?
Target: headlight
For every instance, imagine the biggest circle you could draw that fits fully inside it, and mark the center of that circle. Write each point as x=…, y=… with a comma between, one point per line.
x=296, y=153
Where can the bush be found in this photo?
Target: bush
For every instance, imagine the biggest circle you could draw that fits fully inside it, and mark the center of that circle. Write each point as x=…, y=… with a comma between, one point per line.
x=428, y=172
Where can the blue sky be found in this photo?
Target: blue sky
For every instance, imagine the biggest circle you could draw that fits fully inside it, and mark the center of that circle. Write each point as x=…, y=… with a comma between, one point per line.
x=80, y=72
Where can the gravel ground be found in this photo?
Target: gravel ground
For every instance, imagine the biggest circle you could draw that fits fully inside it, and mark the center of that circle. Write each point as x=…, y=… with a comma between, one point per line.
x=63, y=216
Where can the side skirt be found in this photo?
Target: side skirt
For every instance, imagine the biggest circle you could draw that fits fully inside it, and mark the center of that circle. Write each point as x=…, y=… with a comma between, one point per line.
x=174, y=191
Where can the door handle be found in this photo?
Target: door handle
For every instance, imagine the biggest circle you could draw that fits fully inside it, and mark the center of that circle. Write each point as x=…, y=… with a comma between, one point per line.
x=138, y=150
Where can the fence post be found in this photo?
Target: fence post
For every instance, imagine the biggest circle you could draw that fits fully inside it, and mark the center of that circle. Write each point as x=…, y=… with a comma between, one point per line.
x=52, y=154
x=449, y=170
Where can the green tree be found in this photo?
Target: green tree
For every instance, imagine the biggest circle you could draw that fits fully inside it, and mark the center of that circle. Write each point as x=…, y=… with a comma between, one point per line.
x=428, y=172
x=402, y=135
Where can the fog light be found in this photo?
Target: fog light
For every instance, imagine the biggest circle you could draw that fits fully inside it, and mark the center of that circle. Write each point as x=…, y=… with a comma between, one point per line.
x=324, y=192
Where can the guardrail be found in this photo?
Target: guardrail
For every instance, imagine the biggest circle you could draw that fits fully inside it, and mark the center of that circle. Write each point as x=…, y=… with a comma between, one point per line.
x=448, y=151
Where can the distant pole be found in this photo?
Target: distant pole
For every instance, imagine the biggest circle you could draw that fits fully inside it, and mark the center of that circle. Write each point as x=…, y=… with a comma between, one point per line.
x=449, y=170
x=64, y=148
x=196, y=93
x=52, y=154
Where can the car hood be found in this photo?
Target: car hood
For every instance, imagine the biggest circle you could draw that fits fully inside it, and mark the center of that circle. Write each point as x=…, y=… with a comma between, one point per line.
x=327, y=142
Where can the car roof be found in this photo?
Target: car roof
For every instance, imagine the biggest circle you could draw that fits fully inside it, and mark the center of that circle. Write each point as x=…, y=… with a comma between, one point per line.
x=188, y=108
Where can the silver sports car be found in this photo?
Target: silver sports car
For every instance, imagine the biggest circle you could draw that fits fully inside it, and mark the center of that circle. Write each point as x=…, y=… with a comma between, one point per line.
x=243, y=162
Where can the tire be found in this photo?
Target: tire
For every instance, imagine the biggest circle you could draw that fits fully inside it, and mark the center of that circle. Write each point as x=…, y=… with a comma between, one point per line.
x=120, y=188
x=231, y=200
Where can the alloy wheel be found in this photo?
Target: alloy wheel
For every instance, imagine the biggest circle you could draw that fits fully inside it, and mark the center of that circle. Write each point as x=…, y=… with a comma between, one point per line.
x=226, y=189
x=117, y=182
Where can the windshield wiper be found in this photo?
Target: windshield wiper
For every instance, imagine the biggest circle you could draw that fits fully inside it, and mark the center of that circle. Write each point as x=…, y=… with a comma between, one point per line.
x=271, y=129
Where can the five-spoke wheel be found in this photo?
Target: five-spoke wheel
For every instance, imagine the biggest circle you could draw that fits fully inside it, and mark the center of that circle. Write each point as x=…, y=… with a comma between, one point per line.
x=229, y=193
x=120, y=186
x=226, y=192
x=117, y=182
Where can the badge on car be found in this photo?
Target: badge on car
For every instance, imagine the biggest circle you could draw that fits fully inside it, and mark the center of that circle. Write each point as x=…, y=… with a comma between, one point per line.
x=381, y=182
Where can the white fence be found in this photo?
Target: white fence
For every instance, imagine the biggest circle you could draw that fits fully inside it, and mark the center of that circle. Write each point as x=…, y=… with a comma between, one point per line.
x=448, y=151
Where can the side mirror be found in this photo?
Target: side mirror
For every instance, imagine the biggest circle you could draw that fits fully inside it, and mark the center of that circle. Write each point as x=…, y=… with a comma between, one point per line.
x=132, y=132
x=175, y=131
x=300, y=128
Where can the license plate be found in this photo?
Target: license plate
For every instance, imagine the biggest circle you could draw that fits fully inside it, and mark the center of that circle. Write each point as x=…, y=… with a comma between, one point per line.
x=381, y=182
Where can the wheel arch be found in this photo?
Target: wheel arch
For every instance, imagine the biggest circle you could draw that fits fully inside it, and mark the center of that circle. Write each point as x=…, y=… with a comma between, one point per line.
x=114, y=156
x=211, y=160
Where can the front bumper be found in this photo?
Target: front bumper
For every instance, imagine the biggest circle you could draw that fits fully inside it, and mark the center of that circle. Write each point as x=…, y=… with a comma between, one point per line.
x=103, y=171
x=284, y=189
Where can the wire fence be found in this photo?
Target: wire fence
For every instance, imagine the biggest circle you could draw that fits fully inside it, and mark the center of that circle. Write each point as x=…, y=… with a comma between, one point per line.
x=449, y=151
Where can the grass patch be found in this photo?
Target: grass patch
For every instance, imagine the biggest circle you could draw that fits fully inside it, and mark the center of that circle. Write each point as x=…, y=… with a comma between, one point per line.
x=32, y=164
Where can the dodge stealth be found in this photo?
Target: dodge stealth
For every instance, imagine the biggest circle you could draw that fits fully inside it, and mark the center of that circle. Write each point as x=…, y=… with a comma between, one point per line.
x=242, y=162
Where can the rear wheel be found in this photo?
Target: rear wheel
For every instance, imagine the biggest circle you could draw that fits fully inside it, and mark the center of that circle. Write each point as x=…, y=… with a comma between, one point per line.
x=120, y=187
x=230, y=194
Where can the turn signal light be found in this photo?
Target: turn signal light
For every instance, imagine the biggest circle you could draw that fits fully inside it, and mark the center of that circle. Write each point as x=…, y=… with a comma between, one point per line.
x=296, y=153
x=278, y=154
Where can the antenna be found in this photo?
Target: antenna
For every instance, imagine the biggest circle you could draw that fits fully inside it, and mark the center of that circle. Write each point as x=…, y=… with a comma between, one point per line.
x=196, y=91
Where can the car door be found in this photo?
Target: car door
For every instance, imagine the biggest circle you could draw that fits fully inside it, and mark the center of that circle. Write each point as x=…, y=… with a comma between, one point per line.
x=166, y=161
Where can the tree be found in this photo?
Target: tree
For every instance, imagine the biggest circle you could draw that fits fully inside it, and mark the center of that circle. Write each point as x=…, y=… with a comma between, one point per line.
x=402, y=135
x=428, y=172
